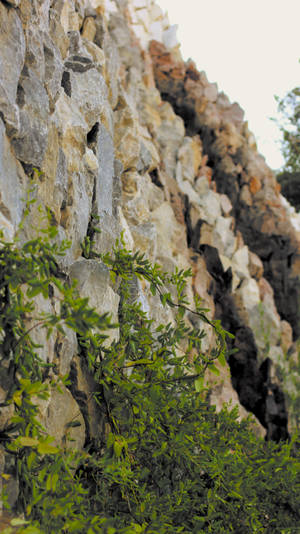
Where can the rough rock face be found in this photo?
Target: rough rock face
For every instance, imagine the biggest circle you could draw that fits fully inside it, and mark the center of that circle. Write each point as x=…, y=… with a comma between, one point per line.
x=95, y=96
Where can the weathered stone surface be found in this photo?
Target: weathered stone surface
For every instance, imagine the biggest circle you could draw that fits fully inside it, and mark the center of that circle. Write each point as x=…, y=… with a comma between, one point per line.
x=256, y=267
x=286, y=333
x=57, y=412
x=221, y=127
x=145, y=143
x=171, y=237
x=149, y=158
x=94, y=282
x=240, y=262
x=12, y=46
x=226, y=205
x=169, y=135
x=106, y=174
x=6, y=411
x=223, y=236
x=88, y=90
x=190, y=157
x=145, y=239
x=12, y=187
x=126, y=140
x=31, y=140
x=266, y=321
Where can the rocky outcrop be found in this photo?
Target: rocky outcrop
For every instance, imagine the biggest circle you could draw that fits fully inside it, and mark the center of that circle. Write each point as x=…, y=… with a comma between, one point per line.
x=238, y=171
x=97, y=106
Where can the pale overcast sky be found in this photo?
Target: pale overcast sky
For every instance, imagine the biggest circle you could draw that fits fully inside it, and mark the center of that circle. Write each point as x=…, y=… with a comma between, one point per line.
x=250, y=48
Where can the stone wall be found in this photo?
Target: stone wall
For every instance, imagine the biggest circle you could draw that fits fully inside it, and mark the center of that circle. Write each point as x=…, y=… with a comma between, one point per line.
x=97, y=105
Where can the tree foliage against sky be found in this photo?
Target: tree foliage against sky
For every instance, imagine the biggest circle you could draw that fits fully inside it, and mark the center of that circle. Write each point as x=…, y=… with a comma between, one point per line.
x=289, y=124
x=289, y=109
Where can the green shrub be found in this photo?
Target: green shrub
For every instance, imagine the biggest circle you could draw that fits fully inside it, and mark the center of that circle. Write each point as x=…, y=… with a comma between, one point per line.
x=168, y=463
x=290, y=187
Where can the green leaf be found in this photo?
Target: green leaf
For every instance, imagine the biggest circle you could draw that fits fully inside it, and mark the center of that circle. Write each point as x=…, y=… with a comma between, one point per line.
x=153, y=289
x=222, y=359
x=45, y=448
x=25, y=441
x=18, y=522
x=118, y=447
x=214, y=369
x=199, y=382
x=17, y=398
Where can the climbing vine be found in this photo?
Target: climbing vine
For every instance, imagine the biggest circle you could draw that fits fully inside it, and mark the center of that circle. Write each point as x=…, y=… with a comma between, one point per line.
x=166, y=462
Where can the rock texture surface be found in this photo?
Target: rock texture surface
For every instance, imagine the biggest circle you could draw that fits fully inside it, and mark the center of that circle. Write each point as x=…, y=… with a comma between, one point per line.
x=94, y=96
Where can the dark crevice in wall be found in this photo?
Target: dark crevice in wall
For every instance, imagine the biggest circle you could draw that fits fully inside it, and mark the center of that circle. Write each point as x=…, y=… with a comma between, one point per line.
x=66, y=83
x=92, y=136
x=81, y=399
x=257, y=393
x=29, y=169
x=184, y=88
x=154, y=175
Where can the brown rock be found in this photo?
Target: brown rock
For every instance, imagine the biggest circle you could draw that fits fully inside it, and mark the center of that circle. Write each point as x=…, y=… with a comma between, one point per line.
x=89, y=29
x=226, y=205
x=265, y=289
x=254, y=185
x=256, y=267
x=286, y=339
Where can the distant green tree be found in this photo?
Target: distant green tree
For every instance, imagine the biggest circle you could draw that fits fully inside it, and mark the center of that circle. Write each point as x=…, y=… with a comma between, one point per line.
x=289, y=109
x=289, y=124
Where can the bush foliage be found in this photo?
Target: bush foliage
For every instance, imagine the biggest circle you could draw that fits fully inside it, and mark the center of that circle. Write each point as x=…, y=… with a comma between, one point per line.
x=167, y=462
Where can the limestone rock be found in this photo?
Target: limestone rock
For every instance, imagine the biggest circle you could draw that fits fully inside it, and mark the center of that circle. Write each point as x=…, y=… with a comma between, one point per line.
x=126, y=141
x=12, y=46
x=169, y=135
x=106, y=172
x=171, y=237
x=12, y=187
x=95, y=94
x=190, y=157
x=256, y=267
x=240, y=262
x=94, y=282
x=31, y=140
x=60, y=410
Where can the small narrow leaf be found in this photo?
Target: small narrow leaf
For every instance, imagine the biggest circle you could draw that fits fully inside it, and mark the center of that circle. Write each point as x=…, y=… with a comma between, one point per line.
x=45, y=448
x=199, y=384
x=26, y=441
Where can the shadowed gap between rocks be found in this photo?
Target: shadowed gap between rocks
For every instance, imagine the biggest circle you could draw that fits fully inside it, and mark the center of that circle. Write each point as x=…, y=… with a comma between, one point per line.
x=252, y=381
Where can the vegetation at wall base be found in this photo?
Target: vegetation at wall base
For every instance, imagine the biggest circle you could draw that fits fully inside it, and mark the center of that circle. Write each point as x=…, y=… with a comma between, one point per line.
x=166, y=462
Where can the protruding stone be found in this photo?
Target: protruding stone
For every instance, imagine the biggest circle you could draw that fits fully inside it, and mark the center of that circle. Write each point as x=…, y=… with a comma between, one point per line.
x=126, y=141
x=286, y=339
x=12, y=187
x=94, y=282
x=256, y=267
x=12, y=46
x=31, y=140
x=240, y=262
x=226, y=205
x=169, y=37
x=190, y=157
x=169, y=135
x=89, y=29
x=171, y=236
x=58, y=412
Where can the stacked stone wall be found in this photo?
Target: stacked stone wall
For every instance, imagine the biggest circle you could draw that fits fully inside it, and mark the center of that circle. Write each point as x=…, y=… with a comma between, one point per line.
x=97, y=106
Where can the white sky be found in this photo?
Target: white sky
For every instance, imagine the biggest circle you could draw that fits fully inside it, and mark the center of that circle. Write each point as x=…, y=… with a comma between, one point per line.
x=250, y=48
